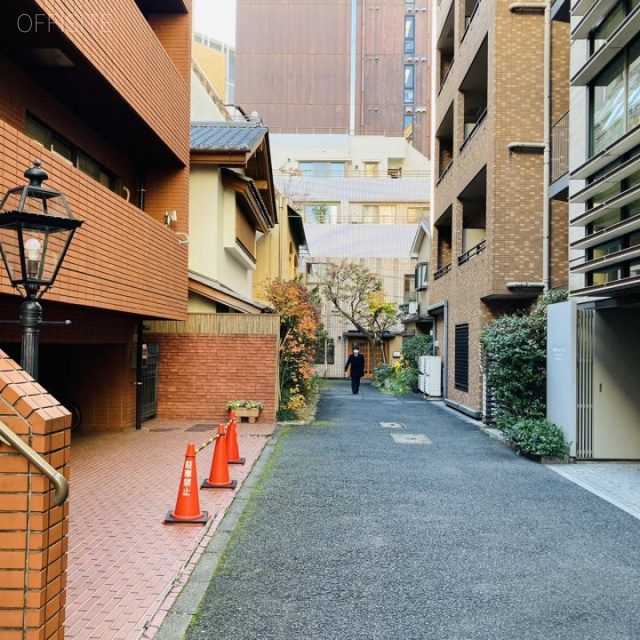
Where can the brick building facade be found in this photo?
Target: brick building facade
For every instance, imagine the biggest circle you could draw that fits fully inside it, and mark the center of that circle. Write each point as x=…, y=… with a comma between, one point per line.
x=490, y=239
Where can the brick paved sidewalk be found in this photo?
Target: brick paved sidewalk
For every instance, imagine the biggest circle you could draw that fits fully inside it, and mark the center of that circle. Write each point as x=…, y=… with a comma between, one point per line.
x=125, y=566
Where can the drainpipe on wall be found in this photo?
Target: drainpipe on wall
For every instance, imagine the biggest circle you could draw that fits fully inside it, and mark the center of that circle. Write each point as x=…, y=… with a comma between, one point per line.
x=444, y=305
x=353, y=52
x=546, y=204
x=545, y=7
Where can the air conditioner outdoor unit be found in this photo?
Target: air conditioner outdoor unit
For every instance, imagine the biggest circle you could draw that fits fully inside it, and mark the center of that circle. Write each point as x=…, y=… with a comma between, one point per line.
x=430, y=378
x=413, y=308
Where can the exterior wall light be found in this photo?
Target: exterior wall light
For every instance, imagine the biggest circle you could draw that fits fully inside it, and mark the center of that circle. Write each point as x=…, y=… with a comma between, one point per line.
x=36, y=229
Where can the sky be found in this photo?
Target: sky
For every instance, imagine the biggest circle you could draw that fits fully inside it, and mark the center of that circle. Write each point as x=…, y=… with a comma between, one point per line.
x=216, y=18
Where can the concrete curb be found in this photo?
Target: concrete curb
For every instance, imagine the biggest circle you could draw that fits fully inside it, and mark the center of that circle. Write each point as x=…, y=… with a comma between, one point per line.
x=178, y=619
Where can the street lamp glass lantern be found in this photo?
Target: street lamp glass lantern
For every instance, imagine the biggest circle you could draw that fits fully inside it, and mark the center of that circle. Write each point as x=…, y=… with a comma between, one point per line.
x=36, y=228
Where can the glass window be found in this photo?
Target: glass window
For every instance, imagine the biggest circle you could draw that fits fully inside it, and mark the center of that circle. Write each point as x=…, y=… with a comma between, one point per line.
x=634, y=239
x=415, y=214
x=387, y=213
x=607, y=117
x=56, y=143
x=316, y=272
x=370, y=214
x=306, y=168
x=409, y=76
x=38, y=132
x=337, y=169
x=600, y=34
x=65, y=150
x=409, y=34
x=633, y=83
x=602, y=250
x=608, y=219
x=603, y=276
x=408, y=124
x=371, y=169
x=320, y=213
x=322, y=169
x=408, y=96
x=634, y=269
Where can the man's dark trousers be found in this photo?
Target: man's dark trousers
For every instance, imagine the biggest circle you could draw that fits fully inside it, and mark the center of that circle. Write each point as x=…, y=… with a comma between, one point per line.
x=355, y=384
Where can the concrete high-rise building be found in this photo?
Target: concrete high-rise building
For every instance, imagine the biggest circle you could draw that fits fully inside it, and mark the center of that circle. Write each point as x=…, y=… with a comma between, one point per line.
x=340, y=66
x=499, y=240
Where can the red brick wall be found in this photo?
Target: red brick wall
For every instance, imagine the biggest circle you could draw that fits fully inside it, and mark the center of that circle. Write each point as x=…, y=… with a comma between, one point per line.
x=33, y=542
x=199, y=374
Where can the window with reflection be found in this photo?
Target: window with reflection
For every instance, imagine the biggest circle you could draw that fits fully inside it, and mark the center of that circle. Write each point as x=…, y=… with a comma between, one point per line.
x=615, y=99
x=409, y=34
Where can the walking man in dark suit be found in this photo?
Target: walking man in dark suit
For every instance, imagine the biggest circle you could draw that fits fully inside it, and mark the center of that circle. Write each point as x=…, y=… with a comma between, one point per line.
x=356, y=362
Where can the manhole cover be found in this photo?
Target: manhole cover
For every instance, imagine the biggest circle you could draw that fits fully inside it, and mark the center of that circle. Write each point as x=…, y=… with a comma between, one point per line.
x=201, y=427
x=410, y=438
x=392, y=425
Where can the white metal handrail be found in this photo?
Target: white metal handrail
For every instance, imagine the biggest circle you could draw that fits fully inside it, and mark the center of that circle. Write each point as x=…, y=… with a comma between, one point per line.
x=57, y=479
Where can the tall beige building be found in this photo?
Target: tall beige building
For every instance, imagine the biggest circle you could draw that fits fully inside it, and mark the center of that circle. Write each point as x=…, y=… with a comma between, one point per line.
x=499, y=241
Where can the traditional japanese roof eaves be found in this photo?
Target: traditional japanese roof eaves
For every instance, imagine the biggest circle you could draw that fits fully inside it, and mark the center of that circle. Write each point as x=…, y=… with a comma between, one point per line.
x=422, y=234
x=243, y=145
x=232, y=137
x=249, y=199
x=214, y=290
x=297, y=227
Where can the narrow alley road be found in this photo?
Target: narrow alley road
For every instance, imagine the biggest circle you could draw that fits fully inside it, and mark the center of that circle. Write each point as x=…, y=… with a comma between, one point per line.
x=432, y=531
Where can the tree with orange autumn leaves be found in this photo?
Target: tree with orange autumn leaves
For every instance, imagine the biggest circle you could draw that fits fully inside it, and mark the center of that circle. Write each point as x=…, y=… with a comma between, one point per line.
x=299, y=312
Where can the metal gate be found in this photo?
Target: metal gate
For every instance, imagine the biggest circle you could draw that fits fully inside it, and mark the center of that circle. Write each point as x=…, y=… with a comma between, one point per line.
x=149, y=381
x=584, y=383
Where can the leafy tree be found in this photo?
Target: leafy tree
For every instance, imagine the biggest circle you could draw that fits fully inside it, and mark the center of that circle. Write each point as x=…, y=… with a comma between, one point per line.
x=299, y=313
x=416, y=346
x=358, y=296
x=320, y=213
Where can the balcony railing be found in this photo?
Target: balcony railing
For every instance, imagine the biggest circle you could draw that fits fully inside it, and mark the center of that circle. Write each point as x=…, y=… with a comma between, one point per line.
x=474, y=251
x=560, y=148
x=441, y=272
x=474, y=126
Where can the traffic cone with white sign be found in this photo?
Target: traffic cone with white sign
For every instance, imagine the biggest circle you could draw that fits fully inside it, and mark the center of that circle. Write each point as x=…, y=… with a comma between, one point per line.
x=187, y=509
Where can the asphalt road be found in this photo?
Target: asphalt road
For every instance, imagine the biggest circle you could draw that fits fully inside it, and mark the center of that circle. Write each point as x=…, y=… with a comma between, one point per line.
x=351, y=535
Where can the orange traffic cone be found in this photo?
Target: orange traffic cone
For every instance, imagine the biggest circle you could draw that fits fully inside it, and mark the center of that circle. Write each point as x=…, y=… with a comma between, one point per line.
x=219, y=475
x=188, y=504
x=233, y=453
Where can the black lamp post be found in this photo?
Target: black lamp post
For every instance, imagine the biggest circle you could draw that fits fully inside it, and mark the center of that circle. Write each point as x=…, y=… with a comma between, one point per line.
x=36, y=228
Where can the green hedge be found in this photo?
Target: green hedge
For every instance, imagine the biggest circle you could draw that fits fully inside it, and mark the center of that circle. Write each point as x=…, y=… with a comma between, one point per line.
x=537, y=436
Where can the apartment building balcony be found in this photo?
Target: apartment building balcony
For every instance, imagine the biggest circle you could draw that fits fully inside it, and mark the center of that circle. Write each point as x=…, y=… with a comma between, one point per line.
x=137, y=103
x=122, y=260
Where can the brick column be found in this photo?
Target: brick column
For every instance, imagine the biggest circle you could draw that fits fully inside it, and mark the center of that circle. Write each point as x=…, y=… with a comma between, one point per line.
x=33, y=533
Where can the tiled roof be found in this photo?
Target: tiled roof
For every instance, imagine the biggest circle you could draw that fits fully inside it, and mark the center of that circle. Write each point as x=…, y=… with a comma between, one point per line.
x=360, y=240
x=226, y=136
